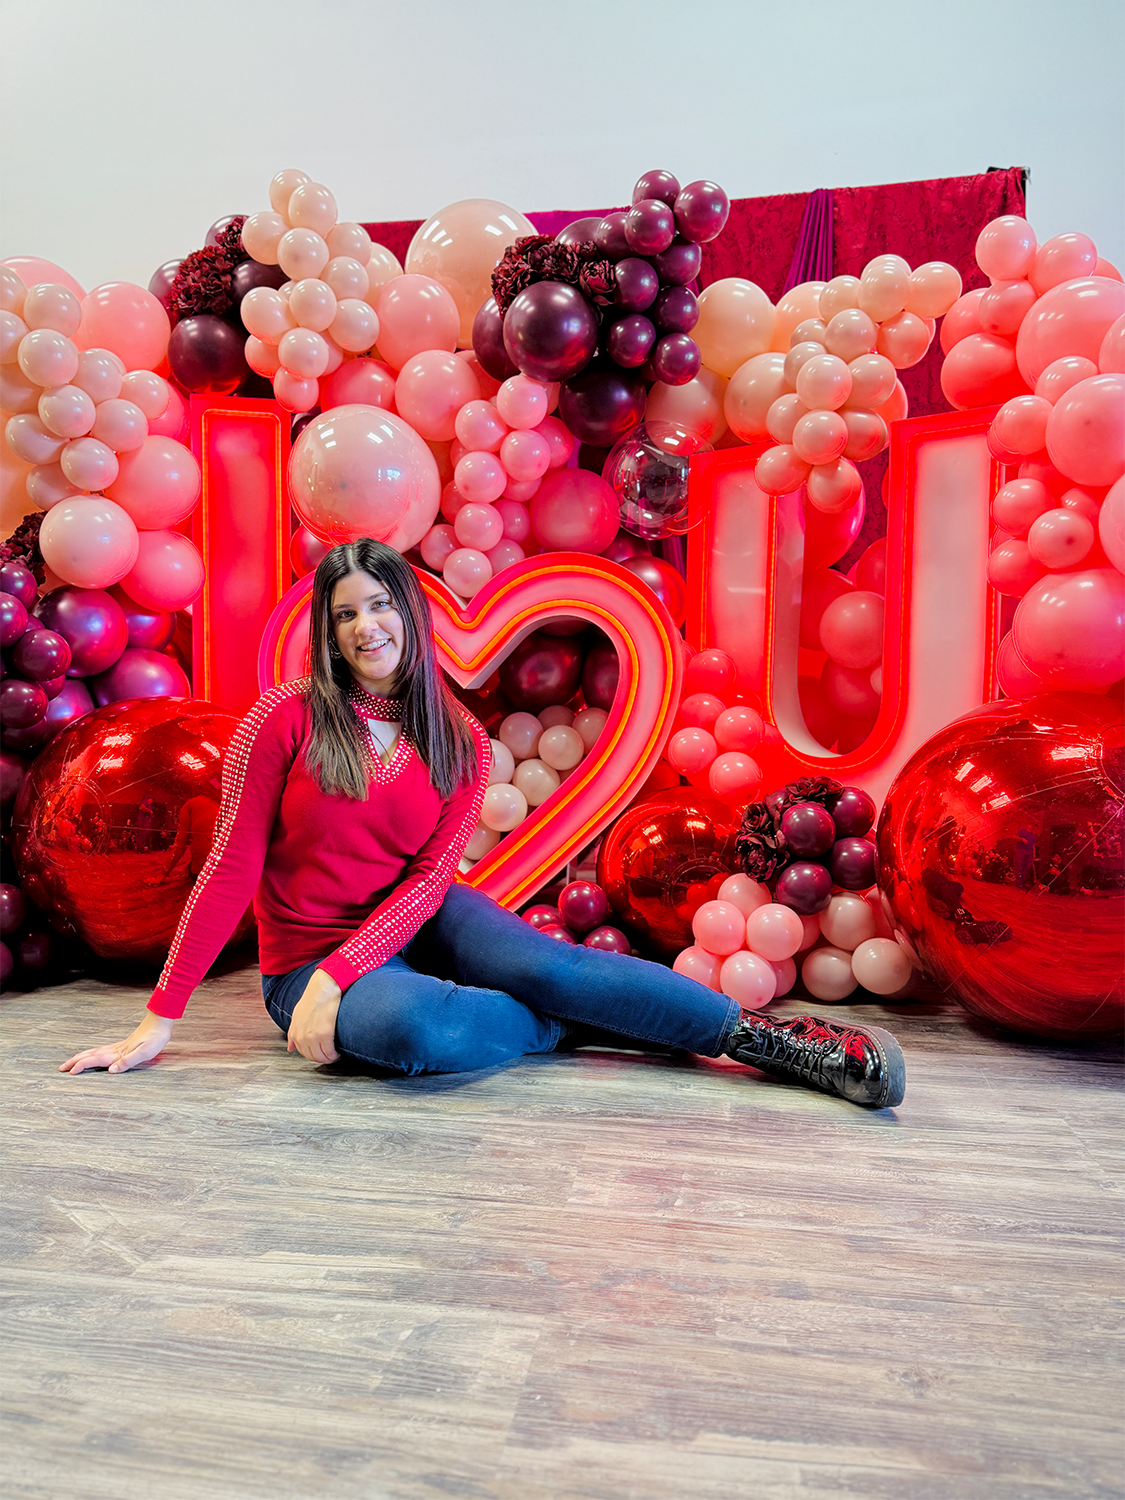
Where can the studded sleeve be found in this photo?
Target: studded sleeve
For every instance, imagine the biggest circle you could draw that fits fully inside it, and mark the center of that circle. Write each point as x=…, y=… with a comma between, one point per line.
x=255, y=767
x=422, y=889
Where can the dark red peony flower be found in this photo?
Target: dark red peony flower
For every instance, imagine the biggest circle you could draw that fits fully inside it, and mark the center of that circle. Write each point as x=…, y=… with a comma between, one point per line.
x=23, y=545
x=820, y=789
x=202, y=283
x=760, y=844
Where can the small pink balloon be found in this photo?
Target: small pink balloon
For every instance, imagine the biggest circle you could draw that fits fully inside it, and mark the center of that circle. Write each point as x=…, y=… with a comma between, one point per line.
x=881, y=966
x=783, y=416
x=827, y=974
x=173, y=421
x=735, y=777
x=1020, y=426
x=52, y=306
x=522, y=402
x=1111, y=355
x=120, y=425
x=312, y=206
x=795, y=361
x=847, y=921
x=934, y=288
x=47, y=485
x=48, y=358
x=1060, y=539
x=691, y=751
x=480, y=477
x=867, y=435
x=266, y=314
x=99, y=374
x=261, y=235
x=1011, y=568
x=748, y=979
x=819, y=437
x=17, y=393
x=503, y=555
x=981, y=370
x=559, y=438
x=1084, y=502
x=1108, y=269
x=1018, y=503
x=1004, y=306
x=1061, y=374
x=1070, y=629
x=525, y=455
x=696, y=963
x=884, y=286
x=962, y=319
x=89, y=542
x=295, y=394
x=359, y=382
x=150, y=392
x=415, y=313
x=168, y=573
x=1071, y=318
x=1006, y=247
x=850, y=333
x=738, y=728
x=824, y=381
x=774, y=932
x=1014, y=676
x=32, y=441
x=521, y=490
x=452, y=500
x=719, y=927
x=128, y=321
x=589, y=722
x=466, y=570
x=850, y=691
x=1064, y=257
x=779, y=471
x=479, y=427
x=432, y=389
x=834, y=487
x=303, y=353
x=785, y=976
x=346, y=275
x=748, y=895
x=904, y=340
x=515, y=520
x=1086, y=431
x=561, y=747
x=438, y=543
x=1111, y=525
x=158, y=483
x=312, y=303
x=301, y=252
x=89, y=464
x=504, y=808
x=873, y=382
x=67, y=411
x=520, y=732
x=478, y=526
x=355, y=326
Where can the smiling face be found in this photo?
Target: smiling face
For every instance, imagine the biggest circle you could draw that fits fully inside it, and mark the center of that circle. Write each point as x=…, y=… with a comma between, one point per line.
x=368, y=629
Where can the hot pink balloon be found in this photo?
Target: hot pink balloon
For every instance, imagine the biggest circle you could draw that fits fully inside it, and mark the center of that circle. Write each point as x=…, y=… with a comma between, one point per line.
x=359, y=382
x=1011, y=568
x=432, y=388
x=1060, y=539
x=522, y=402
x=1072, y=318
x=157, y=483
x=32, y=270
x=1006, y=248
x=1064, y=257
x=851, y=629
x=89, y=542
x=719, y=927
x=1111, y=525
x=696, y=963
x=478, y=526
x=1070, y=629
x=1020, y=426
x=574, y=511
x=480, y=427
x=1086, y=431
x=168, y=573
x=748, y=979
x=127, y=320
x=415, y=313
x=525, y=455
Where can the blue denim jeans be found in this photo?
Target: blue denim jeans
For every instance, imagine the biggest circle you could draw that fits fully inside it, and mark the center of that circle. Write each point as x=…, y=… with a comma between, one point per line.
x=477, y=987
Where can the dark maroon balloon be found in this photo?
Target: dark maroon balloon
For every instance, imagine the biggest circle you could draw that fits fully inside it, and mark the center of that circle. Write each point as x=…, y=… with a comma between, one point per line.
x=579, y=232
x=12, y=772
x=13, y=909
x=13, y=619
x=583, y=905
x=7, y=963
x=656, y=184
x=629, y=340
x=33, y=952
x=74, y=702
x=54, y=685
x=809, y=830
x=488, y=342
x=664, y=580
x=541, y=671
x=40, y=655
x=92, y=624
x=650, y=226
x=676, y=360
x=607, y=940
x=676, y=310
x=550, y=331
x=252, y=273
x=558, y=935
x=542, y=916
x=679, y=264
x=701, y=211
x=160, y=282
x=637, y=284
x=805, y=887
x=150, y=628
x=22, y=704
x=609, y=236
x=600, y=674
x=624, y=546
x=206, y=355
x=18, y=579
x=140, y=674
x=602, y=404
x=853, y=813
x=302, y=420
x=852, y=862
x=215, y=233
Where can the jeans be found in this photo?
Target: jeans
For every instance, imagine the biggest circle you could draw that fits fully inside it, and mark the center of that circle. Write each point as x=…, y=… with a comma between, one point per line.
x=477, y=987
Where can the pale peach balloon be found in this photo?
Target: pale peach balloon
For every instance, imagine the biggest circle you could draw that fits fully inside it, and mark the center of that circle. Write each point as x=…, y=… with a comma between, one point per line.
x=262, y=234
x=867, y=434
x=415, y=313
x=67, y=411
x=897, y=406
x=503, y=766
x=556, y=713
x=827, y=974
x=797, y=304
x=47, y=358
x=873, y=382
x=49, y=306
x=823, y=381
x=31, y=270
x=89, y=464
x=783, y=416
x=32, y=442
x=696, y=406
x=460, y=247
x=819, y=437
x=99, y=374
x=850, y=333
x=355, y=326
x=335, y=353
x=736, y=322
x=834, y=487
x=779, y=471
x=17, y=393
x=751, y=391
x=774, y=932
x=748, y=895
x=536, y=780
x=149, y=391
x=520, y=732
x=89, y=542
x=904, y=340
x=798, y=357
x=303, y=354
x=294, y=393
x=346, y=277
x=589, y=723
x=312, y=206
x=120, y=425
x=261, y=357
x=312, y=303
x=301, y=253
x=810, y=331
x=841, y=293
x=46, y=483
x=881, y=966
x=481, y=841
x=349, y=241
x=382, y=267
x=12, y=330
x=561, y=746
x=884, y=286
x=12, y=291
x=847, y=921
x=696, y=963
x=282, y=188
x=934, y=288
x=504, y=807
x=748, y=979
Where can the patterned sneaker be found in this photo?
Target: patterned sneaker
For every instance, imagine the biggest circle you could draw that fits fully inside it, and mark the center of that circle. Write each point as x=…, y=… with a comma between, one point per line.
x=859, y=1063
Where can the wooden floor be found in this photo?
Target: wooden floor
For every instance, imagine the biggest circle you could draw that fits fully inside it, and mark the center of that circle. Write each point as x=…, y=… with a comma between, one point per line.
x=596, y=1275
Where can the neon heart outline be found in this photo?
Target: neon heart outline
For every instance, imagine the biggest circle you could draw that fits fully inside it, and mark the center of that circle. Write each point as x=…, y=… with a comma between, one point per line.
x=470, y=647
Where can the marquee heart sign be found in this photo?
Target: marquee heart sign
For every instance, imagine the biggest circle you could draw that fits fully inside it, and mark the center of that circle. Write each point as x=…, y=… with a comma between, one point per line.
x=473, y=639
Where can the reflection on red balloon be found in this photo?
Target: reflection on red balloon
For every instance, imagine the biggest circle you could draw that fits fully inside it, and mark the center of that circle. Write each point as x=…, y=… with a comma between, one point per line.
x=541, y=671
x=1000, y=854
x=665, y=583
x=114, y=821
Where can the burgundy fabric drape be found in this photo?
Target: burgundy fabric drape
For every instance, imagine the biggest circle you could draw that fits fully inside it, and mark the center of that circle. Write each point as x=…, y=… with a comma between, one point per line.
x=812, y=259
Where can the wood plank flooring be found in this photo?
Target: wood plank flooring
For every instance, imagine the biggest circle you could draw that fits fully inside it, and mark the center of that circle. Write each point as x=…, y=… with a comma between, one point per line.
x=598, y=1275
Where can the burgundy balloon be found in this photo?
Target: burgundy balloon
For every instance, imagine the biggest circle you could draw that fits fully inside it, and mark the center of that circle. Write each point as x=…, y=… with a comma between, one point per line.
x=218, y=228
x=625, y=546
x=676, y=310
x=13, y=619
x=602, y=404
x=91, y=622
x=22, y=704
x=54, y=685
x=650, y=226
x=152, y=629
x=679, y=264
x=302, y=420
x=205, y=355
x=16, y=578
x=701, y=211
x=74, y=702
x=664, y=581
x=809, y=830
x=656, y=184
x=609, y=236
x=160, y=282
x=579, y=231
x=12, y=771
x=140, y=674
x=583, y=905
x=7, y=963
x=13, y=909
x=33, y=952
x=488, y=342
x=805, y=887
x=853, y=813
x=558, y=935
x=543, y=670
x=607, y=940
x=550, y=331
x=637, y=284
x=305, y=551
x=542, y=916
x=852, y=862
x=629, y=340
x=675, y=360
x=40, y=656
x=600, y=674
x=252, y=273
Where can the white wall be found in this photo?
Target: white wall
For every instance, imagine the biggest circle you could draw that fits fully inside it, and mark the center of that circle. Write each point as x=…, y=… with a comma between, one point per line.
x=130, y=125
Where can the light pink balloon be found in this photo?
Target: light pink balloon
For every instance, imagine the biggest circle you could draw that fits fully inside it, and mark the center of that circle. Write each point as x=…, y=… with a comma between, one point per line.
x=811, y=331
x=432, y=388
x=697, y=405
x=1020, y=426
x=1062, y=373
x=1014, y=676
x=504, y=554
x=838, y=295
x=32, y=270
x=748, y=895
x=17, y=393
x=128, y=321
x=47, y=485
x=48, y=358
x=851, y=629
x=850, y=691
x=798, y=357
x=301, y=253
x=561, y=747
x=574, y=511
x=873, y=382
x=748, y=980
x=480, y=477
x=480, y=427
x=294, y=393
x=521, y=490
x=867, y=434
x=99, y=374
x=359, y=382
x=345, y=275
x=89, y=464
x=824, y=381
x=785, y=976
x=696, y=963
x=150, y=392
x=466, y=571
x=32, y=441
x=1086, y=431
x=1006, y=248
x=261, y=235
x=520, y=733
x=834, y=487
x=819, y=437
x=121, y=425
x=1011, y=568
x=515, y=519
x=478, y=526
x=589, y=722
x=525, y=455
x=783, y=416
x=158, y=483
x=52, y=306
x=1017, y=504
x=1072, y=318
x=355, y=326
x=827, y=974
x=850, y=333
x=12, y=291
x=89, y=542
x=12, y=331
x=884, y=286
x=779, y=471
x=382, y=267
x=1070, y=629
x=312, y=206
x=67, y=411
x=934, y=288
x=522, y=402
x=436, y=546
x=1004, y=306
x=962, y=319
x=719, y=927
x=774, y=932
x=881, y=966
x=1111, y=355
x=1060, y=539
x=415, y=313
x=452, y=500
x=847, y=921
x=536, y=780
x=904, y=340
x=303, y=353
x=168, y=573
x=312, y=303
x=1111, y=525
x=1064, y=257
x=261, y=357
x=266, y=314
x=751, y=391
x=735, y=777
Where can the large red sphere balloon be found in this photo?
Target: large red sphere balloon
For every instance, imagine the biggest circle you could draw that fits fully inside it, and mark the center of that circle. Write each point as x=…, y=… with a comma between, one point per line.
x=541, y=671
x=662, y=859
x=114, y=821
x=999, y=853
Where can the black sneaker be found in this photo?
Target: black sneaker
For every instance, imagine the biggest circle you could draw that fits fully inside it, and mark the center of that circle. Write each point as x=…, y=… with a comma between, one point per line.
x=859, y=1063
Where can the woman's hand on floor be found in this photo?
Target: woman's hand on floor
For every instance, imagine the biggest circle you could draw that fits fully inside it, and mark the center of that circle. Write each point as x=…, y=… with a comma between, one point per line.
x=312, y=1026
x=148, y=1040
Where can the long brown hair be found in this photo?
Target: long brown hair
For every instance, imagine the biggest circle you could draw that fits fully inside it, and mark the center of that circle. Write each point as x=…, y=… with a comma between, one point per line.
x=431, y=717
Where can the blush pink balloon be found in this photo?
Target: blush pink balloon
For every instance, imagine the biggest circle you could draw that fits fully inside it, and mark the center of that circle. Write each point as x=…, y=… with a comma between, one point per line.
x=466, y=570
x=934, y=288
x=504, y=554
x=834, y=487
x=99, y=374
x=168, y=572
x=819, y=437
x=355, y=326
x=415, y=313
x=173, y=421
x=1070, y=629
x=127, y=320
x=884, y=286
x=873, y=382
x=1064, y=257
x=1004, y=306
x=32, y=270
x=774, y=932
x=525, y=455
x=981, y=370
x=962, y=319
x=851, y=629
x=783, y=416
x=480, y=427
x=719, y=927
x=295, y=394
x=751, y=391
x=850, y=691
x=867, y=435
x=1086, y=431
x=122, y=425
x=32, y=441
x=1020, y=427
x=735, y=777
x=691, y=751
x=1006, y=248
x=359, y=382
x=150, y=392
x=1011, y=568
x=1014, y=676
x=89, y=464
x=1072, y=318
x=432, y=388
x=48, y=358
x=785, y=976
x=696, y=963
x=904, y=340
x=303, y=354
x=850, y=333
x=515, y=519
x=574, y=511
x=779, y=471
x=89, y=542
x=52, y=306
x=1111, y=355
x=480, y=477
x=158, y=483
x=1111, y=525
x=1016, y=504
x=47, y=485
x=748, y=979
x=478, y=526
x=522, y=402
x=744, y=893
x=437, y=545
x=1060, y=539
x=738, y=728
x=1061, y=374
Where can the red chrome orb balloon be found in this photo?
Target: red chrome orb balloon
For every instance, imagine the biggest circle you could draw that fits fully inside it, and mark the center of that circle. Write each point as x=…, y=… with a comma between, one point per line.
x=661, y=860
x=114, y=820
x=1000, y=854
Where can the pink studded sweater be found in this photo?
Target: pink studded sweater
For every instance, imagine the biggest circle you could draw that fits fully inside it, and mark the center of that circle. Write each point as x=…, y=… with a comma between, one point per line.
x=342, y=882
